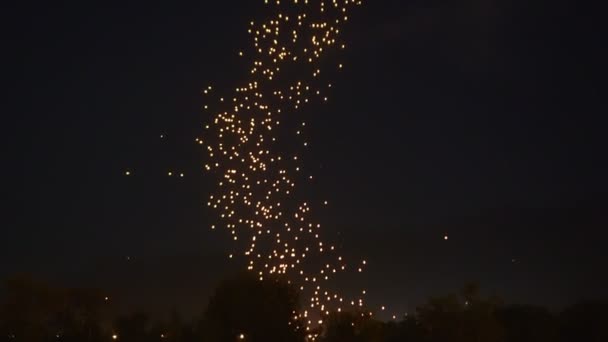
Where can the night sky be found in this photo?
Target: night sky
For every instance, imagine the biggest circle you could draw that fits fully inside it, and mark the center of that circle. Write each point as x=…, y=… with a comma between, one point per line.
x=480, y=120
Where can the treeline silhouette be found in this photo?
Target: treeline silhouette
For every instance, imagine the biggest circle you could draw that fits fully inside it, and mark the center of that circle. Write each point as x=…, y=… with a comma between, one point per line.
x=245, y=309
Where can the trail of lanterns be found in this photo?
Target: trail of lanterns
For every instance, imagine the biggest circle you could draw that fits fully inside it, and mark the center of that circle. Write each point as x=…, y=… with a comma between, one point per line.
x=259, y=179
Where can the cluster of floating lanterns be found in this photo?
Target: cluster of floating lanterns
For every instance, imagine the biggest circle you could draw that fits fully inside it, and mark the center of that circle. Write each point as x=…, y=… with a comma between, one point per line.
x=259, y=176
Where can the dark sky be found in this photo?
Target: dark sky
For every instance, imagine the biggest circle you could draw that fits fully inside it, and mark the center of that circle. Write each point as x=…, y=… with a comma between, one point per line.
x=483, y=120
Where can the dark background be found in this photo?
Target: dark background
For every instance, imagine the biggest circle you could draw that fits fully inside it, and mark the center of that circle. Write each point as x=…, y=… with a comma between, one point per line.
x=482, y=120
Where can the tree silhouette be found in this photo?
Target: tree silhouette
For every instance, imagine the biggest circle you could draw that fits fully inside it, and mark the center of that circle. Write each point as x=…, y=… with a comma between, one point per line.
x=244, y=308
x=528, y=324
x=352, y=327
x=409, y=329
x=466, y=317
x=30, y=309
x=133, y=328
x=81, y=315
x=586, y=321
x=33, y=310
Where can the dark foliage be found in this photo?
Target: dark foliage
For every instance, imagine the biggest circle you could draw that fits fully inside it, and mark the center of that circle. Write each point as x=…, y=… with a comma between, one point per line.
x=256, y=310
x=246, y=309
